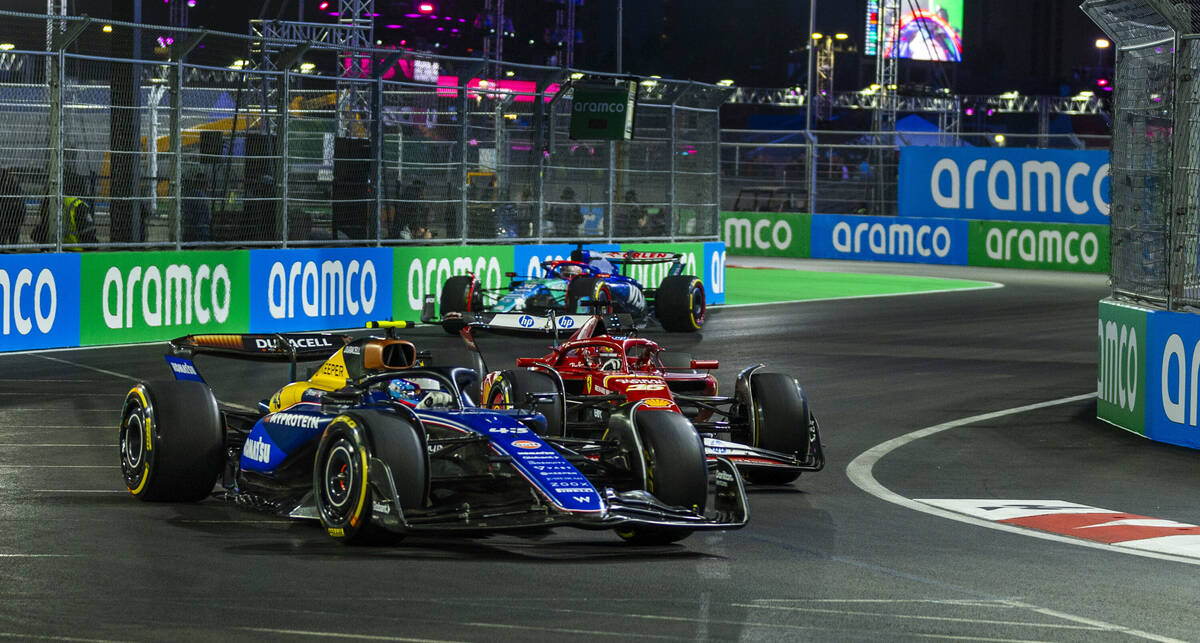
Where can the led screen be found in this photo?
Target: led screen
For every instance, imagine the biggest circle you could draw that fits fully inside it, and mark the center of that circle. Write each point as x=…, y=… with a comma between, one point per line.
x=922, y=30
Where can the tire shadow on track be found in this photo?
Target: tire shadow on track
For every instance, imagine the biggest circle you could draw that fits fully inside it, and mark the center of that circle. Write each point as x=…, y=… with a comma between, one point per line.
x=510, y=551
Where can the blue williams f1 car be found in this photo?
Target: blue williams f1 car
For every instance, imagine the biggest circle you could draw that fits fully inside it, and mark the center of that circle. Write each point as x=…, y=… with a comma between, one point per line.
x=376, y=443
x=588, y=282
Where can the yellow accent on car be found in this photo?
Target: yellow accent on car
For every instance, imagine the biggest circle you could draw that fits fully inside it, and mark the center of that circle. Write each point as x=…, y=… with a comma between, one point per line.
x=336, y=532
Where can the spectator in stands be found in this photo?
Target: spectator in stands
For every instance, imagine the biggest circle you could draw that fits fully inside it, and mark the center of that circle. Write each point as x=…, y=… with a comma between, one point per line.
x=12, y=208
x=631, y=218
x=413, y=216
x=566, y=217
x=197, y=216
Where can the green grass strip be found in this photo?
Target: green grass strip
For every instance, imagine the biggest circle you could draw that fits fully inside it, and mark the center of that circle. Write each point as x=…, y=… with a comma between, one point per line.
x=765, y=285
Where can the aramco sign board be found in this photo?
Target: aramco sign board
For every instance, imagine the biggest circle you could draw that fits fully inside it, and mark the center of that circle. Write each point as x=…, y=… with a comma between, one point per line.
x=603, y=111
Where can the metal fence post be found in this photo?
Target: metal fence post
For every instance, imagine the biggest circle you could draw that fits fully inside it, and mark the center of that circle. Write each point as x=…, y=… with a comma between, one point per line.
x=282, y=209
x=671, y=153
x=377, y=150
x=176, y=127
x=54, y=175
x=614, y=148
x=463, y=106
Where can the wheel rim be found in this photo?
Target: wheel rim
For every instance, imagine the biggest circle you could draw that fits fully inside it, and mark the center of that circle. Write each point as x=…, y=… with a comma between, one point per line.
x=133, y=441
x=339, y=477
x=698, y=306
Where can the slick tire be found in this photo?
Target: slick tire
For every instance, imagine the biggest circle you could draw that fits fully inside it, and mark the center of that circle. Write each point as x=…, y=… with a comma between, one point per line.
x=589, y=289
x=459, y=294
x=508, y=391
x=172, y=441
x=679, y=304
x=341, y=490
x=676, y=472
x=781, y=410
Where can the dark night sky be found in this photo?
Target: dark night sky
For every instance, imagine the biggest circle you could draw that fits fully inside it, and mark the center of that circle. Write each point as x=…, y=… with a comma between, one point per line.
x=1029, y=45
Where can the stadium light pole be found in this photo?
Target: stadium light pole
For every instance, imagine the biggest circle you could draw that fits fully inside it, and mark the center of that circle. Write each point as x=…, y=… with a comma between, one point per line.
x=620, y=33
x=808, y=39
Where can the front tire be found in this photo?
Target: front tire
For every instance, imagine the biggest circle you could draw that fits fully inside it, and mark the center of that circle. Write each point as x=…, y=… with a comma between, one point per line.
x=340, y=486
x=679, y=304
x=172, y=441
x=676, y=472
x=782, y=417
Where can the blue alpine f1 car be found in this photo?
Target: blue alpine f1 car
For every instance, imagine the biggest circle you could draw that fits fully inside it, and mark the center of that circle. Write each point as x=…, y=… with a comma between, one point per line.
x=375, y=443
x=588, y=282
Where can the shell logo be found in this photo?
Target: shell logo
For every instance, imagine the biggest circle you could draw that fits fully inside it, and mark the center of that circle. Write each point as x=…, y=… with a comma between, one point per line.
x=526, y=444
x=658, y=403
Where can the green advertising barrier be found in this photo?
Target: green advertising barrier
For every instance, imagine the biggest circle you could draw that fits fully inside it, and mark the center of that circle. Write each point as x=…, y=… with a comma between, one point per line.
x=145, y=296
x=1040, y=246
x=1123, y=348
x=421, y=270
x=767, y=234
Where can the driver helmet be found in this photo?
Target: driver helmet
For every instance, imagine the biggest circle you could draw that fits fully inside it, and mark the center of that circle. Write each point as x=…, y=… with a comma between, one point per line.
x=570, y=270
x=404, y=391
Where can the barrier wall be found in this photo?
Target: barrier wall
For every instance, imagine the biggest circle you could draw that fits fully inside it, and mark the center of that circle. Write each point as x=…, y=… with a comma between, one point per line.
x=1148, y=375
x=69, y=299
x=1005, y=244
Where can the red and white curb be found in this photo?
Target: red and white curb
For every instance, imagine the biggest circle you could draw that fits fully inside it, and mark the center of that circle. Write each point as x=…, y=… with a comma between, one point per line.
x=1106, y=526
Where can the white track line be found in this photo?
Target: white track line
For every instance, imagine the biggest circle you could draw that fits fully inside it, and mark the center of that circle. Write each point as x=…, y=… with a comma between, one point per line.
x=860, y=473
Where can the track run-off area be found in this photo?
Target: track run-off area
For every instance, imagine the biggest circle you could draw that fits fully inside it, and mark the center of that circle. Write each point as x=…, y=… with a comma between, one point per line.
x=969, y=494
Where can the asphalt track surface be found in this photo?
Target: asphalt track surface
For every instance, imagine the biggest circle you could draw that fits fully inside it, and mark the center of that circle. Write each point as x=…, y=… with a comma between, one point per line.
x=821, y=559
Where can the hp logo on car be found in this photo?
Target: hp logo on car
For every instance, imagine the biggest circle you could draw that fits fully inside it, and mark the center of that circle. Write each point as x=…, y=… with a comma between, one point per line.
x=566, y=322
x=525, y=321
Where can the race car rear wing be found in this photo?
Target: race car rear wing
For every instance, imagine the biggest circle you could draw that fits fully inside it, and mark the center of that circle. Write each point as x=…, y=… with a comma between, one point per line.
x=272, y=347
x=637, y=257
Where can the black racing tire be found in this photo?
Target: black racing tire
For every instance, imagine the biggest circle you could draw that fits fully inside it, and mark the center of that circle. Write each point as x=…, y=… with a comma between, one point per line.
x=782, y=414
x=509, y=389
x=341, y=490
x=676, y=472
x=172, y=441
x=459, y=294
x=593, y=289
x=679, y=304
x=396, y=442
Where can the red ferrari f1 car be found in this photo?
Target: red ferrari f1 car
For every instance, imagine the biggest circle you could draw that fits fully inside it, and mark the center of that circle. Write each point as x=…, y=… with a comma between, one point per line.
x=765, y=428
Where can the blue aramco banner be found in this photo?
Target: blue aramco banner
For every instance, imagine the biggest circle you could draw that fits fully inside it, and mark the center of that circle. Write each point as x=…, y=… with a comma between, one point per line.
x=1053, y=186
x=40, y=305
x=901, y=239
x=319, y=288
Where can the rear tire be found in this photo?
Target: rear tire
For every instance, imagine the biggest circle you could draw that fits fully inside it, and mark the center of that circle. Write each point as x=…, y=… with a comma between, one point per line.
x=782, y=416
x=508, y=391
x=460, y=294
x=676, y=472
x=172, y=441
x=679, y=304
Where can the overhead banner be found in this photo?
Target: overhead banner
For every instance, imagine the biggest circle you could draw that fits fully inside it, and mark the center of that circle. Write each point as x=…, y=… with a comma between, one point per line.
x=907, y=240
x=1018, y=184
x=603, y=111
x=40, y=305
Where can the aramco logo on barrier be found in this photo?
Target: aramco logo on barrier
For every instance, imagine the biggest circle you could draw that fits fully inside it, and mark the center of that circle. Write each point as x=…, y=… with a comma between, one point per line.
x=1041, y=185
x=893, y=239
x=1117, y=382
x=177, y=295
x=22, y=318
x=1042, y=246
x=333, y=288
x=1180, y=401
x=428, y=275
x=764, y=234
